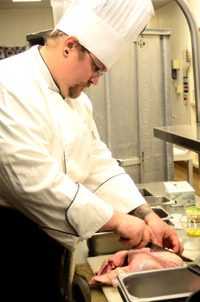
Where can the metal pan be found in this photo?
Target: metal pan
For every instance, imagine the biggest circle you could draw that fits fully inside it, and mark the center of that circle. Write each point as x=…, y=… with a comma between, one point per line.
x=158, y=285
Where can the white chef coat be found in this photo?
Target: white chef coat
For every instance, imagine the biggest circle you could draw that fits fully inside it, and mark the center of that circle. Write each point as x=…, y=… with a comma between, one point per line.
x=53, y=166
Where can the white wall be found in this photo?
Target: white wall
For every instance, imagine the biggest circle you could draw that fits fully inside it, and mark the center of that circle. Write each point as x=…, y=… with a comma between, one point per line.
x=15, y=24
x=195, y=6
x=171, y=16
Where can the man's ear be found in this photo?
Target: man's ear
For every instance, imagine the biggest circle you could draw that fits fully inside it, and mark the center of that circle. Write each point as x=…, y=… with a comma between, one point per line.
x=70, y=43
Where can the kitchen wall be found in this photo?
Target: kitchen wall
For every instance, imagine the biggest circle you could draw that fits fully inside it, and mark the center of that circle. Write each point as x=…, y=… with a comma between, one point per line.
x=15, y=24
x=171, y=16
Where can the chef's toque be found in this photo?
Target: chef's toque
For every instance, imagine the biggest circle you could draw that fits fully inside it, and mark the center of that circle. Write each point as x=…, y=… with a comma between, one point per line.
x=106, y=27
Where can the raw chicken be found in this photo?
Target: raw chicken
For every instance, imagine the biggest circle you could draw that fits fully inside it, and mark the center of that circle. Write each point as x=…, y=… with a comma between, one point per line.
x=133, y=261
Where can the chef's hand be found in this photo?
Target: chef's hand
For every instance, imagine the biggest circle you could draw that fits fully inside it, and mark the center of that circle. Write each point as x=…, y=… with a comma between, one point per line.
x=165, y=235
x=132, y=231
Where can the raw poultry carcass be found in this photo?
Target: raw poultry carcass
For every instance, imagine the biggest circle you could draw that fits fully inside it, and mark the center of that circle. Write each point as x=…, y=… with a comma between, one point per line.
x=129, y=261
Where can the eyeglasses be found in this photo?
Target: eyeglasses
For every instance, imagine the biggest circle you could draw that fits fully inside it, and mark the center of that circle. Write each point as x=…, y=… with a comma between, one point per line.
x=97, y=71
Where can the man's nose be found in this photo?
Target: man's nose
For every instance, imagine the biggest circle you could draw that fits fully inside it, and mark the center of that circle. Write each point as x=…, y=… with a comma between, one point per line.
x=94, y=80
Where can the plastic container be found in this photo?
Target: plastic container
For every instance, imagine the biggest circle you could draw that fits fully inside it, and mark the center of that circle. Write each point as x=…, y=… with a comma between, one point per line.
x=192, y=228
x=192, y=211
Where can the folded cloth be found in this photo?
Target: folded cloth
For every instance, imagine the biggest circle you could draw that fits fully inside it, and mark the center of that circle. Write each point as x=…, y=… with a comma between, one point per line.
x=83, y=270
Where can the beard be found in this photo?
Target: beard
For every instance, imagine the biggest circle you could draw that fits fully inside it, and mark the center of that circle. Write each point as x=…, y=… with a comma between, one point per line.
x=75, y=91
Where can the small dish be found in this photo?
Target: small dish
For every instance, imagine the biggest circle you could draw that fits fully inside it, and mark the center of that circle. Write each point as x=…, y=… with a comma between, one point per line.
x=191, y=224
x=192, y=210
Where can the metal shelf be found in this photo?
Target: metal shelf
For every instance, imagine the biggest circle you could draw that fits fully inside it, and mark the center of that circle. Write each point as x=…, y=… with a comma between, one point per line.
x=186, y=136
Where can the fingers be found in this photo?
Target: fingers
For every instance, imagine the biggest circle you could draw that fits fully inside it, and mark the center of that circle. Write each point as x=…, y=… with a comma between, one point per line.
x=139, y=241
x=171, y=241
x=136, y=233
x=164, y=236
x=178, y=249
x=155, y=240
x=132, y=243
x=177, y=246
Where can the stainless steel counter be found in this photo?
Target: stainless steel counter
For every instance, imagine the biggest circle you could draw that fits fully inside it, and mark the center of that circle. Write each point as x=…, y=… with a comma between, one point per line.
x=157, y=189
x=186, y=136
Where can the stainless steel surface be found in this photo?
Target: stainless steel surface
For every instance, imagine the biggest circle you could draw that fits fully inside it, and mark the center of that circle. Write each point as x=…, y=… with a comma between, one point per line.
x=122, y=107
x=104, y=243
x=145, y=192
x=155, y=188
x=162, y=213
x=158, y=285
x=153, y=200
x=187, y=136
x=150, y=151
x=195, y=268
x=161, y=201
x=129, y=161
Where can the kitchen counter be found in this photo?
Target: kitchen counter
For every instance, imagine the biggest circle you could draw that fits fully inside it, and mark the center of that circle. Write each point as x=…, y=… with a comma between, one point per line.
x=186, y=136
x=157, y=189
x=95, y=262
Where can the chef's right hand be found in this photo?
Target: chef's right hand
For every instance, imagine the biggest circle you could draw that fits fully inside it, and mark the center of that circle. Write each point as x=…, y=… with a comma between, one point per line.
x=132, y=231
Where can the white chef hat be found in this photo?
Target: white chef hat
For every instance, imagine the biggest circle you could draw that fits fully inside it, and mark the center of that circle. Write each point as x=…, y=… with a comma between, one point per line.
x=106, y=27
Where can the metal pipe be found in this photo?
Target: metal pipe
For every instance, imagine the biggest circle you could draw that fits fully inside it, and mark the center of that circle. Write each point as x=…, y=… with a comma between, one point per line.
x=194, y=32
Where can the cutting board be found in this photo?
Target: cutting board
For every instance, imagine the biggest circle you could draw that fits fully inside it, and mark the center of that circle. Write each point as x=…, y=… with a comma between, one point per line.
x=111, y=293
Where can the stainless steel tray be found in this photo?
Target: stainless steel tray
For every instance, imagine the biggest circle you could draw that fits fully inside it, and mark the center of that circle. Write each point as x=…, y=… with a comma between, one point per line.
x=162, y=201
x=154, y=200
x=158, y=285
x=161, y=212
x=144, y=192
x=104, y=243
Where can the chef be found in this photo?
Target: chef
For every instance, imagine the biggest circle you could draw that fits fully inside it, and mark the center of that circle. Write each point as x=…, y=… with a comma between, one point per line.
x=58, y=181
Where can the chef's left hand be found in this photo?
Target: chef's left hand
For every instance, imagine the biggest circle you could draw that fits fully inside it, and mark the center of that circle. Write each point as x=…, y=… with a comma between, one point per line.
x=164, y=234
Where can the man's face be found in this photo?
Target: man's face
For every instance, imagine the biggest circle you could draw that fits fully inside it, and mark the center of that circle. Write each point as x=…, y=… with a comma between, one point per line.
x=75, y=91
x=81, y=73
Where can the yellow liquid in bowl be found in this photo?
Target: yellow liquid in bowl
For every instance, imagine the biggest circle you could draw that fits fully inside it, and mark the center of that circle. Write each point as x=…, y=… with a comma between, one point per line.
x=193, y=232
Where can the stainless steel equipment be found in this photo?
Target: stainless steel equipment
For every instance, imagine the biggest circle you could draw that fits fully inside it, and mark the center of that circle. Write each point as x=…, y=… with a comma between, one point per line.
x=122, y=107
x=159, y=285
x=161, y=212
